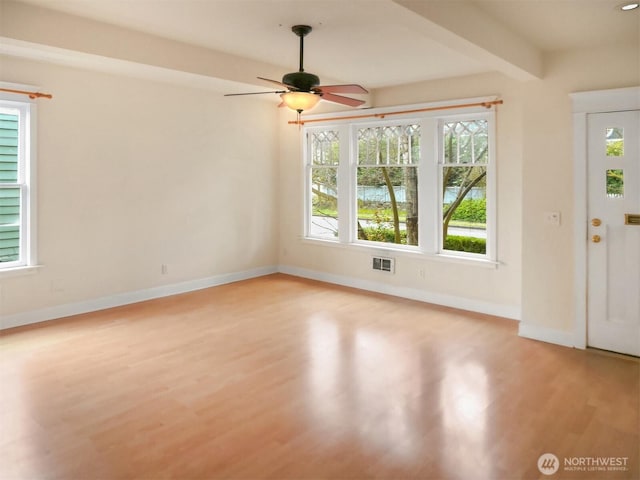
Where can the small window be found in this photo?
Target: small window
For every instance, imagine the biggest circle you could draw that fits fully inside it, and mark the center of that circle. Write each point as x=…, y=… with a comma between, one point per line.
x=615, y=142
x=16, y=247
x=324, y=158
x=615, y=183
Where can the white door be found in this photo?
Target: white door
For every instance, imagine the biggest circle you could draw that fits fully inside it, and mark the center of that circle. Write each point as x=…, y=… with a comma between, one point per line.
x=613, y=283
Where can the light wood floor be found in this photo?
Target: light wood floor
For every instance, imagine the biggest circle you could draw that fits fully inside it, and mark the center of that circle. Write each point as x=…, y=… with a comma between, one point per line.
x=281, y=378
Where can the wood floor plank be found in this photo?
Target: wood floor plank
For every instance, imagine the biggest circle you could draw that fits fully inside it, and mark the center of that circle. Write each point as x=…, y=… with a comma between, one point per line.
x=280, y=377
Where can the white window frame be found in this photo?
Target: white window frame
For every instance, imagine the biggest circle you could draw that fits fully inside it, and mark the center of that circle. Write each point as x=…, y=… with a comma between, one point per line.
x=429, y=178
x=27, y=113
x=491, y=250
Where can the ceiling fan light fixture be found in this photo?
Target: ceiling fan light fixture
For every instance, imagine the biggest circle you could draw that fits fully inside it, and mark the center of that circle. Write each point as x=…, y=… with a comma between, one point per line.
x=300, y=101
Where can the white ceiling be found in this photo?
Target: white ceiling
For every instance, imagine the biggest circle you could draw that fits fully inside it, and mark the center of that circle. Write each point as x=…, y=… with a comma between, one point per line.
x=372, y=42
x=567, y=24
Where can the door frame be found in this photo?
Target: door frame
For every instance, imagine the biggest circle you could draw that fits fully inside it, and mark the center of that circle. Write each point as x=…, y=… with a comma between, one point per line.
x=583, y=104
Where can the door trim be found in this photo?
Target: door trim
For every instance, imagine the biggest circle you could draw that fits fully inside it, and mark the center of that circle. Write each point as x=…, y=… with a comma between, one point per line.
x=584, y=103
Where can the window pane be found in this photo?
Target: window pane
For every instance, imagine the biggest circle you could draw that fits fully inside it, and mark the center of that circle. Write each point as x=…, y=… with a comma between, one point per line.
x=8, y=148
x=615, y=142
x=466, y=142
x=390, y=145
x=388, y=204
x=325, y=148
x=615, y=183
x=9, y=224
x=464, y=209
x=324, y=202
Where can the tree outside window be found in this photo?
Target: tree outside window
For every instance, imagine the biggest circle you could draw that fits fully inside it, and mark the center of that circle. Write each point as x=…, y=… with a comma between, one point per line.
x=464, y=185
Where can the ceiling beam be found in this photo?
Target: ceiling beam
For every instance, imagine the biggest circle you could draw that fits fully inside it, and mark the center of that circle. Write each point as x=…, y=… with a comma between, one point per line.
x=33, y=32
x=465, y=28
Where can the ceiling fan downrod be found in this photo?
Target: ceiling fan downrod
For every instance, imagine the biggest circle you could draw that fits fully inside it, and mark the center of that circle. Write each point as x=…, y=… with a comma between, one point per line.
x=301, y=31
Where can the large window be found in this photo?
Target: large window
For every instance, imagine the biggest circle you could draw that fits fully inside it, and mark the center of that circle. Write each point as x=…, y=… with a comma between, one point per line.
x=16, y=176
x=421, y=184
x=387, y=183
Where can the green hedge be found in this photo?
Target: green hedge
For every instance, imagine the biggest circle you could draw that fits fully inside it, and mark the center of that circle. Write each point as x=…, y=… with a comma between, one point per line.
x=452, y=242
x=379, y=234
x=471, y=210
x=465, y=244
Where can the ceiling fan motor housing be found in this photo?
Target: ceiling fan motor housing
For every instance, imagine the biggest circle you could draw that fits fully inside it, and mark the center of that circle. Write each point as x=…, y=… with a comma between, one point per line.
x=301, y=81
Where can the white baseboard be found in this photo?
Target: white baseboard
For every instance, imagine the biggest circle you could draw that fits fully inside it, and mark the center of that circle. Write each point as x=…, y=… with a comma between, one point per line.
x=66, y=310
x=545, y=334
x=507, y=311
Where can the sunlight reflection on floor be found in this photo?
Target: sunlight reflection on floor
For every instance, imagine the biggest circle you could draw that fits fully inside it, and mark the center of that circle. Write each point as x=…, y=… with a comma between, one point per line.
x=350, y=377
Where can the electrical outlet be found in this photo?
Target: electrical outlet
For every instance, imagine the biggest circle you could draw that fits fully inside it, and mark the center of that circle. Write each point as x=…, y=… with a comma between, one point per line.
x=552, y=218
x=164, y=269
x=421, y=273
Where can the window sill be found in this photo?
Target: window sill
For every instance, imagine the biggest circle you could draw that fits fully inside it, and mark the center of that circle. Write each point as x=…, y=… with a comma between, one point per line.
x=19, y=271
x=407, y=253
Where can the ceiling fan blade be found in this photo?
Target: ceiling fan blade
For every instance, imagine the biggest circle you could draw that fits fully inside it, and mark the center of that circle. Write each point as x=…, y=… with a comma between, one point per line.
x=348, y=88
x=352, y=102
x=276, y=82
x=251, y=93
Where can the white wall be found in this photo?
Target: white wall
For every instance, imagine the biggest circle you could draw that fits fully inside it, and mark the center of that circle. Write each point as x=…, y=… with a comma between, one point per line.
x=134, y=174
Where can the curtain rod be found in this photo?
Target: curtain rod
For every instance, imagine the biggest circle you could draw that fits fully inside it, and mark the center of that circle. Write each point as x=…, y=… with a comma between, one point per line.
x=401, y=112
x=31, y=95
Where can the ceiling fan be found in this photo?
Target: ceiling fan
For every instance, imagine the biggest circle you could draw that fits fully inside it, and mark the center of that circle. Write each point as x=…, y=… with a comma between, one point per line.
x=303, y=89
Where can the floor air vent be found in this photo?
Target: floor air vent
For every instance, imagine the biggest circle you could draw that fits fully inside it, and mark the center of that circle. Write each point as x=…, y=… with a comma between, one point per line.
x=383, y=264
